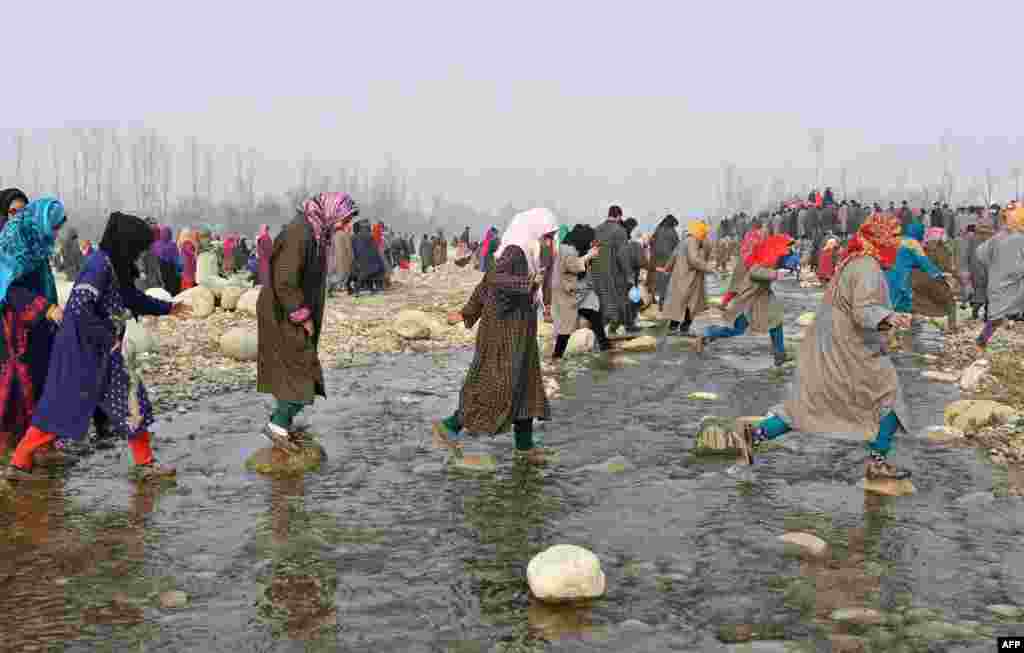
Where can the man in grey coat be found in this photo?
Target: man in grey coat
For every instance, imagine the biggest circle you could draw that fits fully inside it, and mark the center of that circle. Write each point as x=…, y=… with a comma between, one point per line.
x=611, y=279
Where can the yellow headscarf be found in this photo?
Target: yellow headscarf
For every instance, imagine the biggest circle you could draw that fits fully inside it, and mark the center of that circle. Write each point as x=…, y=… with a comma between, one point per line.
x=697, y=229
x=1015, y=219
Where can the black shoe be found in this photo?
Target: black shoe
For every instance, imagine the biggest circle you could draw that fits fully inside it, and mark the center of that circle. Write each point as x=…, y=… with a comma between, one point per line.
x=781, y=358
x=633, y=329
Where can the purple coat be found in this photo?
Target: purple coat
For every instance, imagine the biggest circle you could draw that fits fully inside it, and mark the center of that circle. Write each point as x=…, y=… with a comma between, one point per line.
x=87, y=370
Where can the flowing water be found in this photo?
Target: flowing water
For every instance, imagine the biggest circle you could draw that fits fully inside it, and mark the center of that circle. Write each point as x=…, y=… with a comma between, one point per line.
x=385, y=549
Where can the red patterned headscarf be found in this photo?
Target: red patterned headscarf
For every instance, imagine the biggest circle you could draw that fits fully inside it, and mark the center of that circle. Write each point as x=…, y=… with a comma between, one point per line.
x=878, y=237
x=754, y=237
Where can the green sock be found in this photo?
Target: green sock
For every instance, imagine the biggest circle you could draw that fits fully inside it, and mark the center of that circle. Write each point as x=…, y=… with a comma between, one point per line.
x=285, y=412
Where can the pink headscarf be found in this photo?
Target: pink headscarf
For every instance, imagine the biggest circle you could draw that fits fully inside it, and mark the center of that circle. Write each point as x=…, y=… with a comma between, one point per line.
x=934, y=233
x=525, y=230
x=325, y=211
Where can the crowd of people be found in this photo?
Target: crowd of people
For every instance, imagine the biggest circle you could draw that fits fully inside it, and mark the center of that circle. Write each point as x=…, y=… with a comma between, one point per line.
x=536, y=270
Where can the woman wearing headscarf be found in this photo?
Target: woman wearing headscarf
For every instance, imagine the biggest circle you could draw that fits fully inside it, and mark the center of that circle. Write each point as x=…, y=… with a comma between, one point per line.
x=426, y=254
x=86, y=248
x=826, y=260
x=342, y=253
x=72, y=261
x=845, y=381
x=687, y=292
x=12, y=200
x=1002, y=256
x=611, y=279
x=240, y=255
x=167, y=253
x=911, y=257
x=230, y=242
x=503, y=387
x=755, y=306
x=983, y=232
x=663, y=246
x=754, y=237
x=150, y=277
x=632, y=254
x=264, y=251
x=188, y=249
x=88, y=361
x=30, y=314
x=572, y=293
x=367, y=264
x=491, y=243
x=290, y=313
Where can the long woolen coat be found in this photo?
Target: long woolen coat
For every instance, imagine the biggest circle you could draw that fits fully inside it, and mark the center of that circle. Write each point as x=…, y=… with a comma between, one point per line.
x=686, y=288
x=288, y=364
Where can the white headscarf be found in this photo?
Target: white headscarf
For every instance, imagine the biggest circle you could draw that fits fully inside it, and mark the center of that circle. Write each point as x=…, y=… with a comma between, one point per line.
x=525, y=231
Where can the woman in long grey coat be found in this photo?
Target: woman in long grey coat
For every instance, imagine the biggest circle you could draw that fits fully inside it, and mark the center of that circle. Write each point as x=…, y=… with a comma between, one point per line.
x=572, y=293
x=608, y=272
x=687, y=294
x=1001, y=256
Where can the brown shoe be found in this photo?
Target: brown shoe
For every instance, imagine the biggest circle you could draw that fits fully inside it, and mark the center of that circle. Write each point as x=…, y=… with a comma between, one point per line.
x=50, y=456
x=155, y=473
x=441, y=439
x=699, y=346
x=880, y=470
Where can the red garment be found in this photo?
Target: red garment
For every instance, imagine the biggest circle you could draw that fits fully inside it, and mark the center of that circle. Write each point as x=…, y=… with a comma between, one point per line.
x=826, y=265
x=768, y=253
x=818, y=200
x=188, y=260
x=753, y=238
x=17, y=392
x=34, y=439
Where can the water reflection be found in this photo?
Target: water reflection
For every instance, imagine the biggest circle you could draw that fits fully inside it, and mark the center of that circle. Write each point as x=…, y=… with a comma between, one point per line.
x=509, y=515
x=298, y=599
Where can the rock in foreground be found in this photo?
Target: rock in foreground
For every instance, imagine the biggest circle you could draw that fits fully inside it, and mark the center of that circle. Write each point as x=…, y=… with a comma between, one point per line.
x=240, y=343
x=565, y=572
x=272, y=461
x=973, y=415
x=247, y=302
x=805, y=542
x=229, y=297
x=414, y=325
x=888, y=488
x=201, y=300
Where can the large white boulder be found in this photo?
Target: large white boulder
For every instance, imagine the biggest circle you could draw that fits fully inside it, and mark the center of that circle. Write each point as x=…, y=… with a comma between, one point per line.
x=973, y=415
x=229, y=297
x=64, y=292
x=247, y=302
x=565, y=572
x=581, y=341
x=415, y=325
x=138, y=339
x=240, y=343
x=973, y=375
x=200, y=299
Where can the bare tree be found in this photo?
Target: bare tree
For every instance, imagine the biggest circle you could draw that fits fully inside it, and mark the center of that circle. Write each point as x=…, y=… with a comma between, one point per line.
x=817, y=136
x=56, y=167
x=1016, y=172
x=990, y=183
x=947, y=177
x=19, y=153
x=844, y=178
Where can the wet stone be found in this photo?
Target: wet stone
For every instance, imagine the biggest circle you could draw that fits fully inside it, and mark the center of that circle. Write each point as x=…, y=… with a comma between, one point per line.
x=806, y=542
x=565, y=572
x=615, y=465
x=1006, y=611
x=859, y=616
x=272, y=461
x=889, y=488
x=976, y=499
x=942, y=631
x=173, y=600
x=480, y=463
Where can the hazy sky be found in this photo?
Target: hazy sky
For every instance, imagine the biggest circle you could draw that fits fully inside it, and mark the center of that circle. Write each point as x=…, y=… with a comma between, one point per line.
x=605, y=87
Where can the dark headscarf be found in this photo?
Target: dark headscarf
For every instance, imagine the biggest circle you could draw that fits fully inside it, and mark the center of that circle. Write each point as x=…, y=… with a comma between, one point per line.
x=72, y=254
x=164, y=247
x=511, y=279
x=669, y=221
x=629, y=225
x=124, y=240
x=7, y=197
x=581, y=236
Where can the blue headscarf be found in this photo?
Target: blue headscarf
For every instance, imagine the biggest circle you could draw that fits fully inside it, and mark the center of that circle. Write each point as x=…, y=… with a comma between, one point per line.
x=915, y=230
x=26, y=244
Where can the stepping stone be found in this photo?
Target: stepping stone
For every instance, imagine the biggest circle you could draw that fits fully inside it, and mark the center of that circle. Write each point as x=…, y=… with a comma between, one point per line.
x=703, y=396
x=1006, y=611
x=808, y=543
x=478, y=463
x=860, y=616
x=272, y=461
x=889, y=488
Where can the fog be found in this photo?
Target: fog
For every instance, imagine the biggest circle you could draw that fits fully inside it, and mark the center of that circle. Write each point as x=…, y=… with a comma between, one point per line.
x=449, y=114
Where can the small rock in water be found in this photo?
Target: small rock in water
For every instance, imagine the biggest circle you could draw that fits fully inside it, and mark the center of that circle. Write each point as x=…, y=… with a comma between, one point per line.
x=273, y=461
x=640, y=344
x=173, y=599
x=565, y=572
x=942, y=377
x=480, y=462
x=616, y=465
x=972, y=415
x=1006, y=611
x=703, y=396
x=860, y=616
x=807, y=542
x=634, y=624
x=944, y=434
x=975, y=499
x=805, y=320
x=889, y=488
